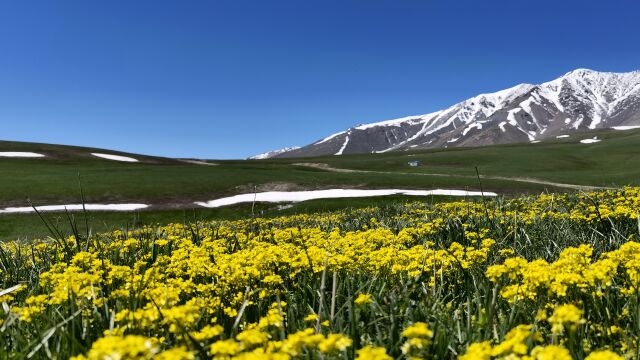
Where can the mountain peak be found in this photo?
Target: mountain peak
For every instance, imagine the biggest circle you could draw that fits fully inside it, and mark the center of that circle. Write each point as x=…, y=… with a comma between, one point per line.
x=590, y=72
x=580, y=71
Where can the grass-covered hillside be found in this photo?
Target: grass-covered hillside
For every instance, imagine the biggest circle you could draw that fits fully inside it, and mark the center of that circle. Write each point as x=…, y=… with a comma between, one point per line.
x=171, y=186
x=542, y=277
x=54, y=178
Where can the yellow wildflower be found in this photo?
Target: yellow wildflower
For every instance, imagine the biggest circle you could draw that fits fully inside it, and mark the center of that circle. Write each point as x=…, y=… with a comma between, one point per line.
x=372, y=353
x=117, y=347
x=363, y=299
x=603, y=355
x=565, y=315
x=334, y=342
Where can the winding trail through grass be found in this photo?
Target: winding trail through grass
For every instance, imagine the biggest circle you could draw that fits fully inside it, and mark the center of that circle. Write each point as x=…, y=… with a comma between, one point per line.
x=327, y=167
x=198, y=162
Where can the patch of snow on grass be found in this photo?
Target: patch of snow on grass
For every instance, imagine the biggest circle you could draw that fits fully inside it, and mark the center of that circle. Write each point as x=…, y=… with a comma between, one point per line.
x=115, y=157
x=20, y=154
x=628, y=127
x=297, y=196
x=562, y=136
x=590, y=141
x=75, y=207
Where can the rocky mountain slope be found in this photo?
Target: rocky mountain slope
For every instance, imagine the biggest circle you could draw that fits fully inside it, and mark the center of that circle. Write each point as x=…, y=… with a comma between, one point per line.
x=579, y=100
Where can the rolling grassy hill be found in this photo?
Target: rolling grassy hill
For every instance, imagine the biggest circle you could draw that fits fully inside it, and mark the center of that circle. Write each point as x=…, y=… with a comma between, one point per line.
x=611, y=162
x=172, y=185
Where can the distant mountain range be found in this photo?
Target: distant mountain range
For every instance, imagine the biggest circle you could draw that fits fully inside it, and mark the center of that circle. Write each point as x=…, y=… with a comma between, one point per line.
x=580, y=100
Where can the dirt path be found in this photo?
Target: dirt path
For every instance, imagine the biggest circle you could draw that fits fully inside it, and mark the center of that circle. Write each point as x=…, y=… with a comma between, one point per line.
x=326, y=167
x=197, y=162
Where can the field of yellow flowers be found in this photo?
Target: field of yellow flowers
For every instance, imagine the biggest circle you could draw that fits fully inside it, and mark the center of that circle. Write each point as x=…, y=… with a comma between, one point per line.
x=554, y=276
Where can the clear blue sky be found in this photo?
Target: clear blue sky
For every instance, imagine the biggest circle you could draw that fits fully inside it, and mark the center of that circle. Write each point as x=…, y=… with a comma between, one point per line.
x=228, y=79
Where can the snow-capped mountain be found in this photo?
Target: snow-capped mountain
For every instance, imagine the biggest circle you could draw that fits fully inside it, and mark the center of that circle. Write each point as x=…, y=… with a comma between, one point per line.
x=579, y=100
x=274, y=153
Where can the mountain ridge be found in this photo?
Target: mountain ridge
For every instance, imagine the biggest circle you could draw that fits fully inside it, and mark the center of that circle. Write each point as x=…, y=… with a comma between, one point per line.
x=580, y=99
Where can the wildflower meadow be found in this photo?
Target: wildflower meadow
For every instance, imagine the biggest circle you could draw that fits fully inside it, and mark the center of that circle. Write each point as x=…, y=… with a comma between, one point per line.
x=553, y=276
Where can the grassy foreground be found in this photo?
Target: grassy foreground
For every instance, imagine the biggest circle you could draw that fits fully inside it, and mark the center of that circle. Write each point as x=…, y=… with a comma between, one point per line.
x=26, y=227
x=547, y=277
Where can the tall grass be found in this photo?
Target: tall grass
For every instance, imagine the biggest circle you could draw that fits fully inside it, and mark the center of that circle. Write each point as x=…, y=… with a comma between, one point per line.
x=440, y=286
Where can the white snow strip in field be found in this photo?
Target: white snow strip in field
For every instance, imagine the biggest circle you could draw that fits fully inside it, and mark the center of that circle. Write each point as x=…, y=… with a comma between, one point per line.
x=630, y=127
x=562, y=136
x=20, y=154
x=534, y=141
x=115, y=157
x=296, y=196
x=590, y=141
x=75, y=207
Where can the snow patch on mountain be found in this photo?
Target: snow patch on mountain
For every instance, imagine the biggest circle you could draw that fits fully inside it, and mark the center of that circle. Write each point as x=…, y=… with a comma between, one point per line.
x=393, y=122
x=470, y=127
x=344, y=146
